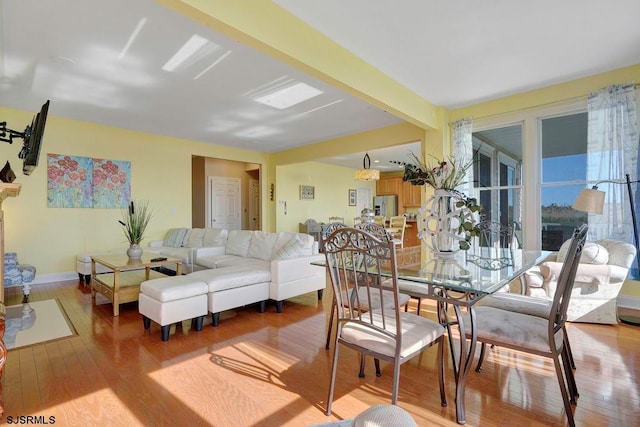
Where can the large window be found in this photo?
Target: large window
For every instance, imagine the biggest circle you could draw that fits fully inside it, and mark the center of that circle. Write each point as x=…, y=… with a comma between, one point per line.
x=498, y=172
x=564, y=174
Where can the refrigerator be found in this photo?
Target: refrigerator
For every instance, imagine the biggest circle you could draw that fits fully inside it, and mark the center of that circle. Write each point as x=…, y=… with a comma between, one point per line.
x=386, y=206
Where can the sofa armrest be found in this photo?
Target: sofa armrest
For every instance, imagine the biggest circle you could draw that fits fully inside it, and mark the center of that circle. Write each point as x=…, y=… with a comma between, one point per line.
x=586, y=273
x=156, y=243
x=286, y=270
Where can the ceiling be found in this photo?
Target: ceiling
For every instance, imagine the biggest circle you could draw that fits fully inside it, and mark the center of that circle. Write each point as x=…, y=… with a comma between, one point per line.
x=82, y=54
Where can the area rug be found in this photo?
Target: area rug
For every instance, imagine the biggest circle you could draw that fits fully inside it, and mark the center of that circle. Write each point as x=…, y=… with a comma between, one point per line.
x=36, y=322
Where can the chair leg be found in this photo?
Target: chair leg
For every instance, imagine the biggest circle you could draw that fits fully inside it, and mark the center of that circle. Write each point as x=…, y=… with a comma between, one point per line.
x=443, y=394
x=396, y=382
x=563, y=389
x=419, y=304
x=483, y=349
x=362, y=362
x=330, y=325
x=378, y=371
x=332, y=382
x=571, y=380
x=572, y=363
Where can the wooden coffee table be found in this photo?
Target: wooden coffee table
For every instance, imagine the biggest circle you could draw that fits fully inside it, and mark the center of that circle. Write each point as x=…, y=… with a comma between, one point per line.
x=122, y=283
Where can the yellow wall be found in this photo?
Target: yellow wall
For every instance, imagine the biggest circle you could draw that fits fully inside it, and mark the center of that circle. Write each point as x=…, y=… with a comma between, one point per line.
x=50, y=238
x=332, y=184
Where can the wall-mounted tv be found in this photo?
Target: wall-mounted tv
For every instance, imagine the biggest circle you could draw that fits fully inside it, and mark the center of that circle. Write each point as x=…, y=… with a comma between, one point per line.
x=30, y=152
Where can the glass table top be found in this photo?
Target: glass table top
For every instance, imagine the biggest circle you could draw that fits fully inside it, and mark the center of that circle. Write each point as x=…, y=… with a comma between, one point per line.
x=482, y=273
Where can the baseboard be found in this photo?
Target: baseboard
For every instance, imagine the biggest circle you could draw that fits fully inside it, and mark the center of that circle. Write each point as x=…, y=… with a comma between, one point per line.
x=628, y=302
x=41, y=279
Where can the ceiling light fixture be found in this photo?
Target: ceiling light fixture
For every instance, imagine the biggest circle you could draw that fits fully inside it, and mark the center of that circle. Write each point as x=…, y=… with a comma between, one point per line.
x=366, y=173
x=289, y=96
x=194, y=44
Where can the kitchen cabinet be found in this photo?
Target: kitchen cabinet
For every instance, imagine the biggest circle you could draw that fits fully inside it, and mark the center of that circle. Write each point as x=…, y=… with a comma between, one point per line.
x=387, y=186
x=411, y=195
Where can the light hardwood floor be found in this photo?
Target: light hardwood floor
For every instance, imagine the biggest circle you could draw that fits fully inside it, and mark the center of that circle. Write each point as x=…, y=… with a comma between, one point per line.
x=272, y=370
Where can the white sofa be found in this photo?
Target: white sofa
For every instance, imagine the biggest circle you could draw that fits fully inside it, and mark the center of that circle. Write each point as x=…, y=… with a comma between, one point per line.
x=188, y=243
x=603, y=267
x=255, y=266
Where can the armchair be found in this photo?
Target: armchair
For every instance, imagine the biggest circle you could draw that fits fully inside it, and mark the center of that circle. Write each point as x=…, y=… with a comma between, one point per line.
x=18, y=274
x=601, y=273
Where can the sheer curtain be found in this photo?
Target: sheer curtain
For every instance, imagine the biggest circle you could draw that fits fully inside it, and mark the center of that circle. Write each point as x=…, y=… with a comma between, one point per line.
x=463, y=152
x=612, y=152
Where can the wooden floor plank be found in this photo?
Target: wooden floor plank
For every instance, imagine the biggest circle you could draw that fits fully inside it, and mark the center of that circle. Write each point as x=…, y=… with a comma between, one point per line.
x=270, y=369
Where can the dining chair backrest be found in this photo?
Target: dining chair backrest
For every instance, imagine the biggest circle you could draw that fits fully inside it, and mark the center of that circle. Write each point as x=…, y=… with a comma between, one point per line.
x=336, y=219
x=400, y=223
x=494, y=247
x=380, y=220
x=566, y=278
x=355, y=260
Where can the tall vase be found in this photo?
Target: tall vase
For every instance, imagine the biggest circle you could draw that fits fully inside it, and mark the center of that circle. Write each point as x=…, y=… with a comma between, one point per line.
x=134, y=252
x=439, y=220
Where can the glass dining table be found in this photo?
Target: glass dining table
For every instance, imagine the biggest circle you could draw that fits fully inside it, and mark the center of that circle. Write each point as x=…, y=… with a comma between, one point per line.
x=457, y=282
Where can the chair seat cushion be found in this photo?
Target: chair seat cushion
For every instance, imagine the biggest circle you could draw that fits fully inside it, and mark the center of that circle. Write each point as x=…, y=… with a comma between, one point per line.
x=532, y=306
x=417, y=333
x=512, y=329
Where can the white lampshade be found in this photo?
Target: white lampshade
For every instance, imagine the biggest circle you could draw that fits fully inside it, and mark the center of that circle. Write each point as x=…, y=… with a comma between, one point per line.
x=367, y=175
x=590, y=200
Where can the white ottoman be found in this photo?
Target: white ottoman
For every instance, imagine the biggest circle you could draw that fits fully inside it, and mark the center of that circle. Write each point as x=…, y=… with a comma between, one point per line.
x=172, y=299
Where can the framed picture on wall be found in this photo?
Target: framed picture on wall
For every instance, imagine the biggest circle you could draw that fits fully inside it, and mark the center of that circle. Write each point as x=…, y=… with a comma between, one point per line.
x=307, y=192
x=353, y=197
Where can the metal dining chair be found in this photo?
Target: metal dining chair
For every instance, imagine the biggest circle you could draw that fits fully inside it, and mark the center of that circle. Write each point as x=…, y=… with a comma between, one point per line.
x=536, y=335
x=386, y=296
x=355, y=259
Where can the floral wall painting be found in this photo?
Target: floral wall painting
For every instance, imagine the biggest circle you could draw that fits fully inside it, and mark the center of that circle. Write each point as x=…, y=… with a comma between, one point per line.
x=85, y=182
x=111, y=183
x=69, y=181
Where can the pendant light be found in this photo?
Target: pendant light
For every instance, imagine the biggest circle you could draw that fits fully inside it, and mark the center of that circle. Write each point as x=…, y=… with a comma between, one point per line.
x=366, y=173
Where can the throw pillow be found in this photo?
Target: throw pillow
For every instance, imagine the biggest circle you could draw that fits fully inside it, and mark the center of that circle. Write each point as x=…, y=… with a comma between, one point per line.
x=174, y=237
x=291, y=249
x=592, y=253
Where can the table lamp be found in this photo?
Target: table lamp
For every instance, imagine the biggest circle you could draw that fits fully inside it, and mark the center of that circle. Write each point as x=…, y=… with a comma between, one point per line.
x=591, y=200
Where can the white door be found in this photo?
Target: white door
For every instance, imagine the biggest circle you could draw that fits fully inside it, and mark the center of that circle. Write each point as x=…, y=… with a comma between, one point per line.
x=254, y=204
x=365, y=199
x=224, y=203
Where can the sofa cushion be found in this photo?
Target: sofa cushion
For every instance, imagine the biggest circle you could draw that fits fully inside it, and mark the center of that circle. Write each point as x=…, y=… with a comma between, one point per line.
x=592, y=253
x=261, y=246
x=222, y=261
x=173, y=288
x=193, y=238
x=238, y=242
x=215, y=237
x=231, y=277
x=174, y=237
x=293, y=248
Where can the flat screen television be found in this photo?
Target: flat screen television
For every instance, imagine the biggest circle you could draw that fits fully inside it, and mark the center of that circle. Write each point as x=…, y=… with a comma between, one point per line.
x=30, y=152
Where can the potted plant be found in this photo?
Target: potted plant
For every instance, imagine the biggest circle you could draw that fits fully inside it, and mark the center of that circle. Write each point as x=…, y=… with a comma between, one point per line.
x=449, y=215
x=135, y=219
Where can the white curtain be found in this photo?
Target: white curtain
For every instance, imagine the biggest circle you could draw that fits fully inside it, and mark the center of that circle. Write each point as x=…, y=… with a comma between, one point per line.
x=463, y=152
x=612, y=152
